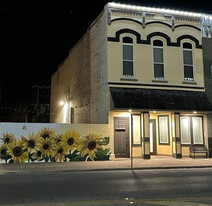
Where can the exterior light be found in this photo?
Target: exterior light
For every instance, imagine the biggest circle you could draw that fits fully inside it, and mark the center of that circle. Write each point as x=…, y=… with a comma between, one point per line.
x=159, y=10
x=62, y=103
x=195, y=112
x=130, y=110
x=154, y=111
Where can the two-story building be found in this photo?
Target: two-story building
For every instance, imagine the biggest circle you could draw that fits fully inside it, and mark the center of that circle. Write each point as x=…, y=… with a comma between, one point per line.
x=140, y=70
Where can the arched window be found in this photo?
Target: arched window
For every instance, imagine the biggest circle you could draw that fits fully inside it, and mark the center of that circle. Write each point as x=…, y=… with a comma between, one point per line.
x=127, y=46
x=188, y=62
x=158, y=59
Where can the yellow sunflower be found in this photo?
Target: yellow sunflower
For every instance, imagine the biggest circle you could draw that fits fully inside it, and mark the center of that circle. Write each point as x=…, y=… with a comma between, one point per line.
x=7, y=138
x=70, y=139
x=47, y=147
x=3, y=150
x=37, y=155
x=32, y=143
x=60, y=153
x=46, y=133
x=57, y=139
x=89, y=145
x=17, y=152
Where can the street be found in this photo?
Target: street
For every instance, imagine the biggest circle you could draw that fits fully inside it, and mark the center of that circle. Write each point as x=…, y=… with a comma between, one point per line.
x=124, y=187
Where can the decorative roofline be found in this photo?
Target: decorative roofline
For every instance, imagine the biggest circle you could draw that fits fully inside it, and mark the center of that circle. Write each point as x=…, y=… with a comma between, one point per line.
x=205, y=19
x=157, y=10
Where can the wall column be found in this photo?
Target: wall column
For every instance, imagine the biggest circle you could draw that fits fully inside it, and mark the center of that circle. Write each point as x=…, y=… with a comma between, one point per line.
x=145, y=137
x=177, y=149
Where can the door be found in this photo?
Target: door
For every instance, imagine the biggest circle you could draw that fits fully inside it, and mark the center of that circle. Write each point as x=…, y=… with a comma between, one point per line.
x=121, y=136
x=153, y=143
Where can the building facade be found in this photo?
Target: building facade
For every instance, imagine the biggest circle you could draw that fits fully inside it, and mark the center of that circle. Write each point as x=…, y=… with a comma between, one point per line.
x=147, y=73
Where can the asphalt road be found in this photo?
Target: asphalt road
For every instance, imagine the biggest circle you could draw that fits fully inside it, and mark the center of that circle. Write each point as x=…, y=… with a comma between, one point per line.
x=139, y=187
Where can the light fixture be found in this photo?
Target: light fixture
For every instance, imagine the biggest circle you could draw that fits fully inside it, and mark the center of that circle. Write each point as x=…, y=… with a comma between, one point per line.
x=157, y=10
x=130, y=110
x=195, y=112
x=62, y=103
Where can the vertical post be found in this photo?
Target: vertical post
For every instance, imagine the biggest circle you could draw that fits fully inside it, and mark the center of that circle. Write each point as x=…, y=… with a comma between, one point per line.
x=131, y=155
x=146, y=137
x=177, y=149
x=37, y=104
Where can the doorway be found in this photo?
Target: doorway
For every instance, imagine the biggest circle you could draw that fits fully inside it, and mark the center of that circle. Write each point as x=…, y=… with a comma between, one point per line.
x=121, y=136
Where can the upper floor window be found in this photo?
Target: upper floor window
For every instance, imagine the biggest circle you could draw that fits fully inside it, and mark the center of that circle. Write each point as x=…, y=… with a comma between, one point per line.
x=127, y=46
x=158, y=59
x=188, y=62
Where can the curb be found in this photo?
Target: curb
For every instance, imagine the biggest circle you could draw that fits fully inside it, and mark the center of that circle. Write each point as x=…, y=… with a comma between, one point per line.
x=104, y=169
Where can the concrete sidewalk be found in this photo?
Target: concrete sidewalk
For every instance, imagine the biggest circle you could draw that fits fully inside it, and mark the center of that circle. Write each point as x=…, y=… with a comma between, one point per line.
x=156, y=162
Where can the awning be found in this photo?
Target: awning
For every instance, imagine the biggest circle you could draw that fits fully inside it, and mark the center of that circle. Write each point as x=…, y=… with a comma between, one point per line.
x=153, y=99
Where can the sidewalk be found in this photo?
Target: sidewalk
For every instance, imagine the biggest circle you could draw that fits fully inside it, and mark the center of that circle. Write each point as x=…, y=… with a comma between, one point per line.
x=156, y=162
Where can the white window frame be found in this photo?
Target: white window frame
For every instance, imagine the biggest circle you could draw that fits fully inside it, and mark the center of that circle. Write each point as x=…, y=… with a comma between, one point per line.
x=166, y=117
x=191, y=129
x=160, y=47
x=123, y=60
x=192, y=51
x=136, y=139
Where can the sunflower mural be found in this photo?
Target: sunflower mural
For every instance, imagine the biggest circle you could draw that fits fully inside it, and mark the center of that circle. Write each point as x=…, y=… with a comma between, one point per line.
x=61, y=153
x=47, y=146
x=17, y=152
x=46, y=133
x=91, y=144
x=70, y=140
x=3, y=153
x=7, y=138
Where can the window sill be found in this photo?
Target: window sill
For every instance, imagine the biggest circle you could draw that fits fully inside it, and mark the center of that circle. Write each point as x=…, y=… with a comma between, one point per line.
x=189, y=82
x=133, y=79
x=160, y=80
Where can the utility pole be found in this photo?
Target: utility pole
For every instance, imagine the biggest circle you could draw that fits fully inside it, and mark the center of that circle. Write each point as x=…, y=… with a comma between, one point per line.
x=38, y=99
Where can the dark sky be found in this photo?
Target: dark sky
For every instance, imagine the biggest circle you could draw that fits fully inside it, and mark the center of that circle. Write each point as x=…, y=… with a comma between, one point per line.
x=37, y=35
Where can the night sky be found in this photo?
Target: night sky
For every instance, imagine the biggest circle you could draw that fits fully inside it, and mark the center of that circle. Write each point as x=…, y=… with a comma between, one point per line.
x=36, y=36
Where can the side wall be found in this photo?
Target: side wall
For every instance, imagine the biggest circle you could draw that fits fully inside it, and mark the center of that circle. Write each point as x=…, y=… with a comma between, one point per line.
x=207, y=60
x=81, y=80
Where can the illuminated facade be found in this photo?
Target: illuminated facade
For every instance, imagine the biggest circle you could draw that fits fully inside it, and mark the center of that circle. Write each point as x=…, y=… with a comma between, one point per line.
x=140, y=70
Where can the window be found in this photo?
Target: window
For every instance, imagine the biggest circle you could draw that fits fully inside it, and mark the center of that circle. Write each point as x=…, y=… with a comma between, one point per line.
x=128, y=57
x=188, y=62
x=191, y=130
x=163, y=125
x=136, y=118
x=158, y=59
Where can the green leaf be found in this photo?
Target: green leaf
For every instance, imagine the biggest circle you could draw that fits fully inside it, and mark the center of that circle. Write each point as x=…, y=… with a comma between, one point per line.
x=102, y=154
x=52, y=159
x=46, y=159
x=11, y=161
x=75, y=156
x=104, y=141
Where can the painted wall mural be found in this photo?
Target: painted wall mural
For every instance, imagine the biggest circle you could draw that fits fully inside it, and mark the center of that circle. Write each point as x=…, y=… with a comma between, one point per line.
x=48, y=146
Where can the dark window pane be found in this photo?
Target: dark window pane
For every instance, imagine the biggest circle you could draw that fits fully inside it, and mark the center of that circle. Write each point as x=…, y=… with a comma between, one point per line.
x=128, y=40
x=127, y=52
x=187, y=45
x=187, y=57
x=158, y=71
x=188, y=73
x=128, y=68
x=157, y=43
x=158, y=55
